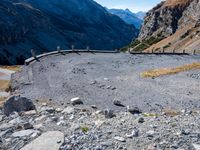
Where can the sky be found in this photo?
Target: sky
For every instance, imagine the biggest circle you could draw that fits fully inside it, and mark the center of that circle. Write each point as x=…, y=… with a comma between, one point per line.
x=133, y=5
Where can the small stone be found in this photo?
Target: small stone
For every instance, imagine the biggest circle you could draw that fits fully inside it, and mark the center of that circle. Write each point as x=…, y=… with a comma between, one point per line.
x=27, y=125
x=34, y=135
x=71, y=117
x=109, y=113
x=61, y=123
x=24, y=133
x=48, y=109
x=44, y=104
x=113, y=88
x=1, y=118
x=133, y=110
x=141, y=120
x=196, y=146
x=68, y=110
x=135, y=133
x=76, y=101
x=30, y=113
x=59, y=109
x=150, y=133
x=118, y=103
x=16, y=121
x=38, y=126
x=94, y=106
x=41, y=118
x=119, y=138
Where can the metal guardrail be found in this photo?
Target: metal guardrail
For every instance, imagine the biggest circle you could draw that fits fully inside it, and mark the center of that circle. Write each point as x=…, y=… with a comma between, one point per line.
x=35, y=58
x=87, y=50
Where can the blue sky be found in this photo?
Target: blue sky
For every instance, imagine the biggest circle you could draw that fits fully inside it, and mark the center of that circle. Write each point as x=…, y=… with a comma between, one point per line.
x=133, y=5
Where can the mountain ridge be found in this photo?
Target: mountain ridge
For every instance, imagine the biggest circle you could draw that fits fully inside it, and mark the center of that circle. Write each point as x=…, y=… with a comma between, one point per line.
x=43, y=25
x=128, y=16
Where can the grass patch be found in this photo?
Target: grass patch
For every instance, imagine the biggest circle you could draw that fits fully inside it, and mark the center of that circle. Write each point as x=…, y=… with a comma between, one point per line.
x=13, y=68
x=2, y=100
x=171, y=112
x=5, y=85
x=169, y=71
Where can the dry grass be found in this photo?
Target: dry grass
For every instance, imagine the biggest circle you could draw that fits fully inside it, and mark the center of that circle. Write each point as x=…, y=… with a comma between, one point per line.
x=5, y=85
x=13, y=68
x=2, y=100
x=169, y=71
x=171, y=112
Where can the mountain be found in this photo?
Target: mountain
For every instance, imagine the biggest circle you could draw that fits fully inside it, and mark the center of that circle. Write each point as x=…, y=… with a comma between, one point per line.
x=127, y=16
x=141, y=15
x=42, y=25
x=173, y=25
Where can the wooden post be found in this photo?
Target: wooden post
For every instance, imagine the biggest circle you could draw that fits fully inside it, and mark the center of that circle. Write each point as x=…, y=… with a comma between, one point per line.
x=183, y=51
x=88, y=48
x=194, y=53
x=152, y=51
x=174, y=51
x=33, y=54
x=58, y=49
x=72, y=47
x=163, y=50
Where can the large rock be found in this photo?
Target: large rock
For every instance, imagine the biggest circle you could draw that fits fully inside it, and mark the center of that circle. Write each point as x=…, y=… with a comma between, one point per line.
x=17, y=104
x=51, y=140
x=24, y=133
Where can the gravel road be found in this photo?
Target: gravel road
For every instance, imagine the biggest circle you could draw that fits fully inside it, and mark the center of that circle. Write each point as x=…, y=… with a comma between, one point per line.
x=99, y=79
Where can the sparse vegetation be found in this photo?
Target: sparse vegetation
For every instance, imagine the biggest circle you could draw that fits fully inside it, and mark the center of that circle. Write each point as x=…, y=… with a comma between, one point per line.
x=5, y=85
x=168, y=71
x=141, y=46
x=13, y=68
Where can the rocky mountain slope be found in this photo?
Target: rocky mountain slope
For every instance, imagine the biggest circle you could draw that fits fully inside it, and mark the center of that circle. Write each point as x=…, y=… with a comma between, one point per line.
x=171, y=25
x=42, y=25
x=128, y=16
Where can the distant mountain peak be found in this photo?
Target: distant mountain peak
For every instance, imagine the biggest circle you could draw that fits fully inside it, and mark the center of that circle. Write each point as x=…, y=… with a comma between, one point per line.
x=128, y=16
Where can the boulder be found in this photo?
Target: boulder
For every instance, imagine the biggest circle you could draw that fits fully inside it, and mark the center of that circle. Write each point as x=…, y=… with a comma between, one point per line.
x=17, y=104
x=24, y=133
x=51, y=140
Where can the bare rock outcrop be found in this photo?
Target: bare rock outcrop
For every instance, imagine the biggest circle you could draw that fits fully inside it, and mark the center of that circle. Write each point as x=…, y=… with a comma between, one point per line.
x=172, y=25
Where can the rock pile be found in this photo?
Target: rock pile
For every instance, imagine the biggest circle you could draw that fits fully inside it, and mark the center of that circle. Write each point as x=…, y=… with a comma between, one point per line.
x=76, y=127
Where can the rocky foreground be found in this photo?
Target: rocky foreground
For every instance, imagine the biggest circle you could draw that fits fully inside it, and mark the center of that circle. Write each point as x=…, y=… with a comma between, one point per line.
x=44, y=125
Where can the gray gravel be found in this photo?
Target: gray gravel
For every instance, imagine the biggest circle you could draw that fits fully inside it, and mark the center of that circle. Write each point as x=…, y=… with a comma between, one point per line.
x=100, y=79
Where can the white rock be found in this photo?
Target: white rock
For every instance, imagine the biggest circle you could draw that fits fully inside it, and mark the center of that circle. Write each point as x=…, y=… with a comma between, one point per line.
x=24, y=133
x=47, y=141
x=61, y=123
x=76, y=101
x=196, y=146
x=38, y=126
x=59, y=109
x=119, y=138
x=41, y=118
x=68, y=110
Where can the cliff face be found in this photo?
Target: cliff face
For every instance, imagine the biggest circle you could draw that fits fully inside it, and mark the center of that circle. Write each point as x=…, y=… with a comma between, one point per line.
x=171, y=25
x=42, y=25
x=163, y=19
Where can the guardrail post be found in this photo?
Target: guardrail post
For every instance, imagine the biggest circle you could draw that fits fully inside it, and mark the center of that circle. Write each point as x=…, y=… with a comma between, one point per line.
x=194, y=53
x=88, y=48
x=72, y=47
x=33, y=54
x=58, y=49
